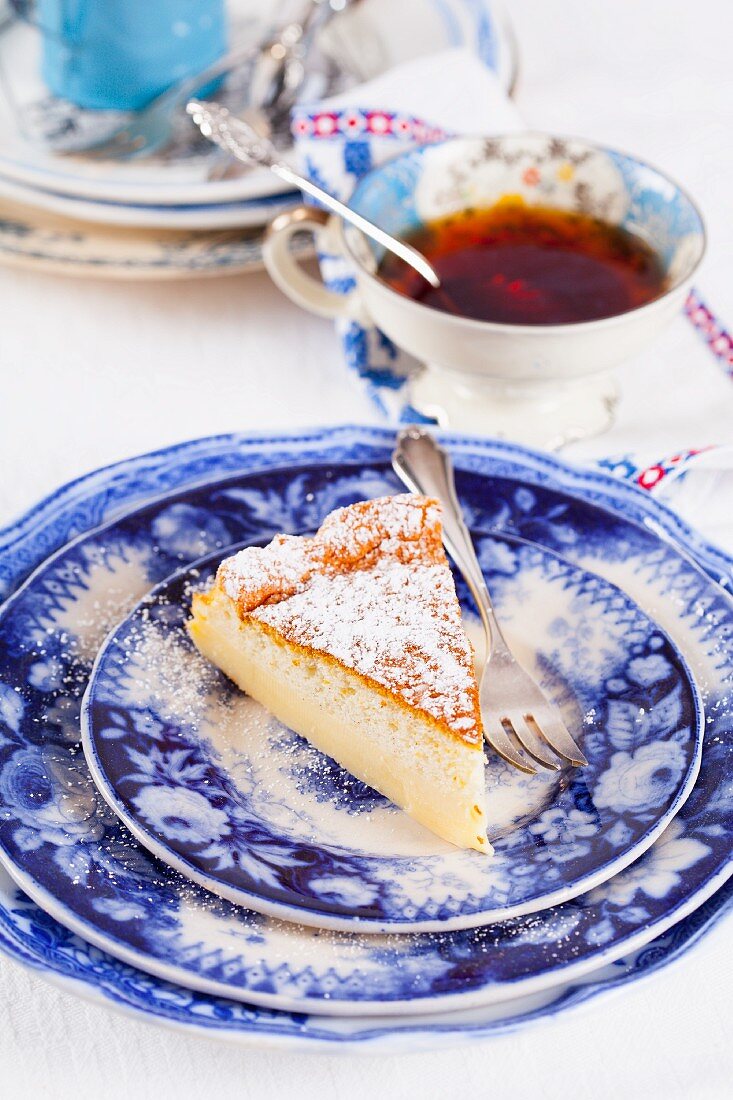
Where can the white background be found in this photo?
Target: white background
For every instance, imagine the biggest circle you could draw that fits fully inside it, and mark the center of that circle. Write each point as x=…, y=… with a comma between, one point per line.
x=93, y=372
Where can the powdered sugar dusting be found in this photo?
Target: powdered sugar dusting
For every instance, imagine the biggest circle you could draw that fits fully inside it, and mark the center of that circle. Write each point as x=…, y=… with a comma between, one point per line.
x=373, y=590
x=261, y=574
x=405, y=528
x=397, y=624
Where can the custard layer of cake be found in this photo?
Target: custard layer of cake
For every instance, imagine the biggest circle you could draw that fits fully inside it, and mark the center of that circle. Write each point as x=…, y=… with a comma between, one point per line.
x=353, y=638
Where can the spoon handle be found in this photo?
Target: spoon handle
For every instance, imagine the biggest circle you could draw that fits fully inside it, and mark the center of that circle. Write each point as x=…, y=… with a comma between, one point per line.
x=243, y=142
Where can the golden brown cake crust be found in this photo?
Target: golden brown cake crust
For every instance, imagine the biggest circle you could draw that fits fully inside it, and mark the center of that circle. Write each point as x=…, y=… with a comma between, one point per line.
x=372, y=590
x=405, y=528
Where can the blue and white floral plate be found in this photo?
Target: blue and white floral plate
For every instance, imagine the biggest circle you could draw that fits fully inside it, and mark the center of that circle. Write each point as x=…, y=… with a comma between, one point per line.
x=147, y=916
x=214, y=786
x=36, y=239
x=39, y=942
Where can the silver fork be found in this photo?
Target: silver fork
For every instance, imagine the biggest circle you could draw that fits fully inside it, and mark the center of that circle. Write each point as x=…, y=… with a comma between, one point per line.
x=519, y=721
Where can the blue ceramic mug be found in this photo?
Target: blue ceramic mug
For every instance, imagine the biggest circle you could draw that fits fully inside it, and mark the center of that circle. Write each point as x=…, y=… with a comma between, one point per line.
x=120, y=54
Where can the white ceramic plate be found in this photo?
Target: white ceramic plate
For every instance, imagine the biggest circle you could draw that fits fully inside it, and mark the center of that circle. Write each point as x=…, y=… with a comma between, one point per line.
x=27, y=109
x=210, y=215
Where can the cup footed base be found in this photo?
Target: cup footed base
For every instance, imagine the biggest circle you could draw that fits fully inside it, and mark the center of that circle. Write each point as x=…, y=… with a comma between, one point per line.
x=547, y=415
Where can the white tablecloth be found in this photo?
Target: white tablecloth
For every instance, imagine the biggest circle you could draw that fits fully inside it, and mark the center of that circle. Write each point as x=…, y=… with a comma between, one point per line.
x=93, y=372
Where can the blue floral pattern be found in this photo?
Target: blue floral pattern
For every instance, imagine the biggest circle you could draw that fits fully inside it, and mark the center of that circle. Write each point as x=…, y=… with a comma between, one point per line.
x=588, y=517
x=275, y=844
x=634, y=781
x=35, y=238
x=32, y=937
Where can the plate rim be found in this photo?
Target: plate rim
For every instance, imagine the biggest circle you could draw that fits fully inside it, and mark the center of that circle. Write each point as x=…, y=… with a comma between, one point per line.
x=202, y=216
x=419, y=1034
x=20, y=527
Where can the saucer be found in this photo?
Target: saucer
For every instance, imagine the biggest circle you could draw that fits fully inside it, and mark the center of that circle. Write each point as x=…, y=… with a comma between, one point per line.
x=34, y=125
x=217, y=788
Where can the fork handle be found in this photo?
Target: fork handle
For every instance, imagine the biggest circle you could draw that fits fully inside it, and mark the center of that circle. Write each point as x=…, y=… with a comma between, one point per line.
x=425, y=467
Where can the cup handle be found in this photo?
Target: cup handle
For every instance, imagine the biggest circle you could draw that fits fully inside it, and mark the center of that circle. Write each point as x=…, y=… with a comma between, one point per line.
x=286, y=272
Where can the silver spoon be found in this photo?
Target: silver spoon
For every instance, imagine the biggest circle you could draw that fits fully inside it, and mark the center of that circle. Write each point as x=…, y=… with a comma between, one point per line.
x=280, y=70
x=277, y=78
x=243, y=142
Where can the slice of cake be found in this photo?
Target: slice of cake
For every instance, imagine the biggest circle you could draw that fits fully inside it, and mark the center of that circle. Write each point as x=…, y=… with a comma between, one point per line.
x=353, y=639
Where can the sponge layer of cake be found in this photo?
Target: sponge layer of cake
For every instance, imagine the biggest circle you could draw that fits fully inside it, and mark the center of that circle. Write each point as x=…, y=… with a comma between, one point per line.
x=353, y=639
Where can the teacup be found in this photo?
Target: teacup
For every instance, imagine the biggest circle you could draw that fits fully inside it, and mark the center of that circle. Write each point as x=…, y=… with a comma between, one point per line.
x=541, y=384
x=120, y=54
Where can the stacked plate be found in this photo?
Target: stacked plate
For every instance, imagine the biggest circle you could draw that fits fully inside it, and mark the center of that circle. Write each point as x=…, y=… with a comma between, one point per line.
x=196, y=863
x=165, y=215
